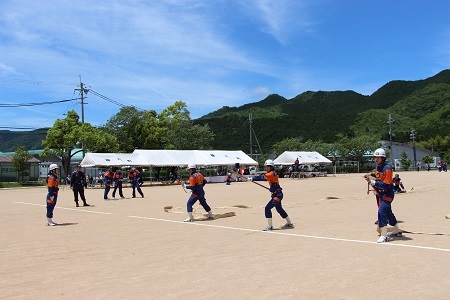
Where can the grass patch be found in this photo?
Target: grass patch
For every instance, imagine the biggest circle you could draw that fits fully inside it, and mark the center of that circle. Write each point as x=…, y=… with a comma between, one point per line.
x=21, y=184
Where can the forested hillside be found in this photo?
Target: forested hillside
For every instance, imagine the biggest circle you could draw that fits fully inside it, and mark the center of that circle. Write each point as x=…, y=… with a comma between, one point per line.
x=32, y=140
x=326, y=116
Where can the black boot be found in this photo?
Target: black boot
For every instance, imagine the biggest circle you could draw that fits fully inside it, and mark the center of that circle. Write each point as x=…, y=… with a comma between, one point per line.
x=85, y=204
x=76, y=204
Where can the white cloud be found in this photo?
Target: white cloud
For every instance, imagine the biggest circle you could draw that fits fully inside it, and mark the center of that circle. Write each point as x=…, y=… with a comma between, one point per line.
x=261, y=91
x=281, y=19
x=6, y=70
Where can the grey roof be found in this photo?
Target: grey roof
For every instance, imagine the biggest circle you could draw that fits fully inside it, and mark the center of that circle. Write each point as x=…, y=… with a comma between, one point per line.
x=9, y=158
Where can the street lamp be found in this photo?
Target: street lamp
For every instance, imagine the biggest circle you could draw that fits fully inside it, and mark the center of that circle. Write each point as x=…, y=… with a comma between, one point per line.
x=390, y=122
x=413, y=137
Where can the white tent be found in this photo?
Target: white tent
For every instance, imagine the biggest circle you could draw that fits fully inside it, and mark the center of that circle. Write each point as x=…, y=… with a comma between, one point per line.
x=111, y=159
x=163, y=158
x=168, y=158
x=225, y=158
x=305, y=158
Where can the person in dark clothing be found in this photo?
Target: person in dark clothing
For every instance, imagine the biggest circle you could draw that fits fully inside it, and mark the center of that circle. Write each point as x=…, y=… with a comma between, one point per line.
x=196, y=184
x=134, y=176
x=118, y=179
x=77, y=184
x=52, y=195
x=109, y=175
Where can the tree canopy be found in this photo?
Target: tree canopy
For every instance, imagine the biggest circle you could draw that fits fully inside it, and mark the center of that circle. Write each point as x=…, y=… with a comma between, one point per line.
x=68, y=133
x=172, y=128
x=20, y=162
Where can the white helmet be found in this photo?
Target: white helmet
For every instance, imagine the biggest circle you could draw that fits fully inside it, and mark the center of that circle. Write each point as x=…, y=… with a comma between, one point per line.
x=379, y=152
x=269, y=162
x=52, y=167
x=192, y=166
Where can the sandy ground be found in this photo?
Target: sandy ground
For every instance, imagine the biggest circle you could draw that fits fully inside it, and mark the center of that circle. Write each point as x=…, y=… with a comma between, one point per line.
x=133, y=248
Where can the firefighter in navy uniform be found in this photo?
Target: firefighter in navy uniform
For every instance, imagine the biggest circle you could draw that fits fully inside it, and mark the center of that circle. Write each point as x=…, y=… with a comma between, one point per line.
x=276, y=197
x=118, y=179
x=77, y=184
x=108, y=180
x=384, y=193
x=196, y=184
x=52, y=194
x=134, y=175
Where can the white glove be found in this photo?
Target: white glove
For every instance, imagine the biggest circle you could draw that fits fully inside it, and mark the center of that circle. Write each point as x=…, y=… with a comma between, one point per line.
x=372, y=182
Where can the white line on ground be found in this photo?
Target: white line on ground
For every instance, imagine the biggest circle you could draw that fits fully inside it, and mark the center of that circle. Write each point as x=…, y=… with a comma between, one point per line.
x=296, y=235
x=252, y=230
x=59, y=207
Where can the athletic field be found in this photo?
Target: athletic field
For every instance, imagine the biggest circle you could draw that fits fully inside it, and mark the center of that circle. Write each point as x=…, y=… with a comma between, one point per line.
x=140, y=248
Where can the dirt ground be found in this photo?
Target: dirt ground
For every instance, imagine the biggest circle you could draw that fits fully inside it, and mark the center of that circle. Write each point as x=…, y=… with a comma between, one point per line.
x=135, y=249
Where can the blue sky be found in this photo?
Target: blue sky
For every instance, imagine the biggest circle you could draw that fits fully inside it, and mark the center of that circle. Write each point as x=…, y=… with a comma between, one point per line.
x=207, y=53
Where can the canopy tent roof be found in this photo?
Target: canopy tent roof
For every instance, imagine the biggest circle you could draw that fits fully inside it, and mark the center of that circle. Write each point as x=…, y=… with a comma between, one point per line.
x=305, y=158
x=168, y=158
x=224, y=158
x=111, y=159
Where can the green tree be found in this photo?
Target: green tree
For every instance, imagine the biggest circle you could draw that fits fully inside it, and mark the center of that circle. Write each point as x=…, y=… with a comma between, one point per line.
x=170, y=129
x=446, y=156
x=133, y=128
x=438, y=143
x=20, y=162
x=288, y=144
x=427, y=159
x=173, y=121
x=405, y=161
x=296, y=144
x=67, y=133
x=356, y=148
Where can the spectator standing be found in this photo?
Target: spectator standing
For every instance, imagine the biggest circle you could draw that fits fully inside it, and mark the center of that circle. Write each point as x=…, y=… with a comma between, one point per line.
x=296, y=164
x=229, y=179
x=90, y=180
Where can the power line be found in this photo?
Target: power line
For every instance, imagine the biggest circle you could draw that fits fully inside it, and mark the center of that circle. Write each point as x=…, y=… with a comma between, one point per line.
x=36, y=103
x=111, y=100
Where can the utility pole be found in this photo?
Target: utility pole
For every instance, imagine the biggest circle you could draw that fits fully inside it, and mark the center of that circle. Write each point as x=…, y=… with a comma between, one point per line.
x=252, y=132
x=390, y=122
x=251, y=143
x=413, y=137
x=82, y=91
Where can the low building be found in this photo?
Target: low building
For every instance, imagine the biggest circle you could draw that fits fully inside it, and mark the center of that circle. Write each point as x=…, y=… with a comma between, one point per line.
x=9, y=174
x=398, y=148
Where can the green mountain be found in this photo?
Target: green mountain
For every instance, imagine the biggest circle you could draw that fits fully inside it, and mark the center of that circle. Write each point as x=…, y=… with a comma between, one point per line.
x=423, y=105
x=32, y=140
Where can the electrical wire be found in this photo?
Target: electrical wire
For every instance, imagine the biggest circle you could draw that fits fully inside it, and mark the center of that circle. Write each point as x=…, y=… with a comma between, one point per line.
x=36, y=103
x=111, y=100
